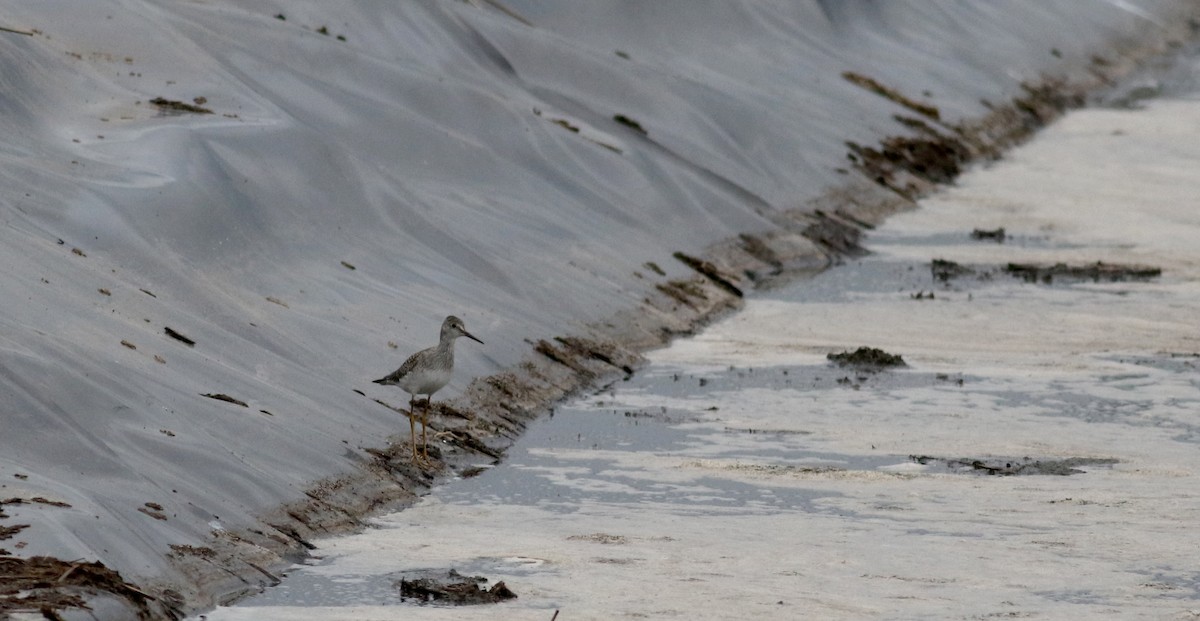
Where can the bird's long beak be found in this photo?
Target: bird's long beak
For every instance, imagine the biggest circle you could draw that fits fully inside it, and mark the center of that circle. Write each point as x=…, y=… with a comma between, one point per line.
x=472, y=337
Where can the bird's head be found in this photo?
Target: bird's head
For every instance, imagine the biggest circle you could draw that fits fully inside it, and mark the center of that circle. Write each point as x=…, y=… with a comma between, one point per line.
x=454, y=327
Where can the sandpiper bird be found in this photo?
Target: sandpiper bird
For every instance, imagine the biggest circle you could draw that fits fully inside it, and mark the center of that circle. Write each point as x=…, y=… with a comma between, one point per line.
x=425, y=373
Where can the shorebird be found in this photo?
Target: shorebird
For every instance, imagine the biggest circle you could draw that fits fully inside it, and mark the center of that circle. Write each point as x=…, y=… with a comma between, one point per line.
x=425, y=373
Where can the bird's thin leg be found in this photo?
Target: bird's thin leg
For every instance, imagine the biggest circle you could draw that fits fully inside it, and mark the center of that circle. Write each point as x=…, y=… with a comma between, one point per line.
x=425, y=425
x=412, y=425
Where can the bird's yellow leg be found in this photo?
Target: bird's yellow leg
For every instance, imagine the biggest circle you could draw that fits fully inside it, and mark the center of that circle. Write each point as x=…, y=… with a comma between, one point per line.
x=412, y=426
x=425, y=426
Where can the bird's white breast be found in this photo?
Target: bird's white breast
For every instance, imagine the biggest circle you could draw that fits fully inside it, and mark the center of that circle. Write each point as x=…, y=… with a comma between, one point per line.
x=424, y=381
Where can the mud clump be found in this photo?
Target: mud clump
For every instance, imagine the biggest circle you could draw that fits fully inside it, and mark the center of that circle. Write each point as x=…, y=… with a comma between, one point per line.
x=1094, y=272
x=173, y=107
x=996, y=235
x=867, y=358
x=943, y=270
x=454, y=588
x=630, y=123
x=1015, y=467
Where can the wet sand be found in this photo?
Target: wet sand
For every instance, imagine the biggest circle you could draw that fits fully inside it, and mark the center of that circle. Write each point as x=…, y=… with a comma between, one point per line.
x=744, y=475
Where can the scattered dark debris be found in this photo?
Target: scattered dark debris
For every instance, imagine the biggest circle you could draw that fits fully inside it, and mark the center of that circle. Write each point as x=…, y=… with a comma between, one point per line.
x=596, y=350
x=1094, y=272
x=147, y=292
x=179, y=337
x=348, y=266
x=943, y=270
x=266, y=412
x=104, y=291
x=159, y=359
x=563, y=123
x=323, y=30
x=167, y=432
x=892, y=94
x=912, y=165
x=548, y=350
x=922, y=295
x=835, y=234
x=174, y=107
x=281, y=17
x=710, y=271
x=21, y=476
x=179, y=549
x=45, y=585
x=7, y=532
x=453, y=588
x=472, y=472
x=855, y=220
x=757, y=248
x=28, y=33
x=36, y=500
x=78, y=252
x=1011, y=467
x=154, y=510
x=936, y=160
x=653, y=267
x=598, y=143
x=774, y=432
x=630, y=123
x=996, y=235
x=624, y=55
x=917, y=125
x=508, y=384
x=278, y=301
x=444, y=409
x=682, y=291
x=463, y=439
x=128, y=344
x=602, y=538
x=359, y=391
x=867, y=357
x=224, y=397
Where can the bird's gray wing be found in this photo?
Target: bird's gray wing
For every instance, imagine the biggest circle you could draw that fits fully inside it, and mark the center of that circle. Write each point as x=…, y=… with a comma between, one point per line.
x=404, y=369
